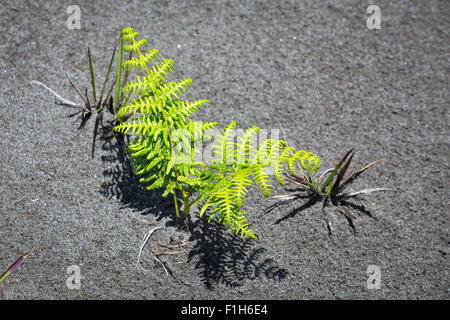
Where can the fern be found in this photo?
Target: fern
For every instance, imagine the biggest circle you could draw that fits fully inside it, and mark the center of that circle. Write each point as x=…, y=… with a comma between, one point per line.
x=167, y=142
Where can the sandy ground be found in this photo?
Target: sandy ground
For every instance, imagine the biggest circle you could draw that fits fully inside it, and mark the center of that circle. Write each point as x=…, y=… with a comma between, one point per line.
x=311, y=68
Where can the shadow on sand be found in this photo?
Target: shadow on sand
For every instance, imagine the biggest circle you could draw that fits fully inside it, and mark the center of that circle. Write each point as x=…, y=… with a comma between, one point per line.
x=222, y=256
x=343, y=208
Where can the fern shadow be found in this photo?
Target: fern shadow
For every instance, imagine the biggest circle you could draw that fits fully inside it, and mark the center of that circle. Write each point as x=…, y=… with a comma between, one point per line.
x=222, y=256
x=122, y=184
x=226, y=258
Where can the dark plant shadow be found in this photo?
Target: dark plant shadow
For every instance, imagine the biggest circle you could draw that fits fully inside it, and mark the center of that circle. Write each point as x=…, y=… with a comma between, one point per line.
x=312, y=200
x=224, y=257
x=358, y=207
x=84, y=117
x=346, y=205
x=121, y=182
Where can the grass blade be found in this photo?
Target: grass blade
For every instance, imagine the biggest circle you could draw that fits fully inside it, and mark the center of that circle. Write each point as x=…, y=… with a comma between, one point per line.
x=331, y=176
x=108, y=95
x=76, y=88
x=325, y=216
x=325, y=173
x=107, y=77
x=91, y=71
x=64, y=101
x=340, y=176
x=365, y=191
x=88, y=105
x=16, y=264
x=286, y=197
x=124, y=82
x=302, y=183
x=357, y=174
x=118, y=74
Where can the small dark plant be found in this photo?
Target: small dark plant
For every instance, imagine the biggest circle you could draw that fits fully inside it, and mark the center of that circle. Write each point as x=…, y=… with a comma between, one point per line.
x=13, y=268
x=329, y=187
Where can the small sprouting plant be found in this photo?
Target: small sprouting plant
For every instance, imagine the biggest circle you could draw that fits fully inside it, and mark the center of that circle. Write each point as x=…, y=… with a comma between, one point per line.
x=100, y=103
x=329, y=187
x=13, y=268
x=166, y=144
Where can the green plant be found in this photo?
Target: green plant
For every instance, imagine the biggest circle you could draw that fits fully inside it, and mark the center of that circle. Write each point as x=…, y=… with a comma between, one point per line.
x=166, y=142
x=14, y=267
x=329, y=186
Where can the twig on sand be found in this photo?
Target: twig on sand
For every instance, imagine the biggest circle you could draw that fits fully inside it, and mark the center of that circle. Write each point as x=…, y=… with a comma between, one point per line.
x=85, y=99
x=142, y=220
x=173, y=249
x=162, y=263
x=154, y=256
x=63, y=100
x=145, y=242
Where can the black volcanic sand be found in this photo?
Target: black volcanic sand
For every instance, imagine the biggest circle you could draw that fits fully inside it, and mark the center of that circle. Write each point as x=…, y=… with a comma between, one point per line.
x=310, y=69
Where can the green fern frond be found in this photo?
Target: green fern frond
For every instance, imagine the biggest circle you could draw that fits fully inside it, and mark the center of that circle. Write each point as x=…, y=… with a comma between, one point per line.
x=144, y=105
x=142, y=61
x=224, y=147
x=208, y=126
x=307, y=160
x=151, y=82
x=171, y=90
x=166, y=142
x=279, y=166
x=129, y=34
x=134, y=46
x=262, y=179
x=240, y=182
x=159, y=72
x=226, y=204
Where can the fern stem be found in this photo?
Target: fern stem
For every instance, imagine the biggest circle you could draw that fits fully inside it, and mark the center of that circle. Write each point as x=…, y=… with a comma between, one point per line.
x=195, y=200
x=187, y=205
x=176, y=204
x=176, y=174
x=211, y=190
x=118, y=73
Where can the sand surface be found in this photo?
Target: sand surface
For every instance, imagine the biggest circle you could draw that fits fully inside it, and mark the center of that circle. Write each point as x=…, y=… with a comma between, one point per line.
x=311, y=68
